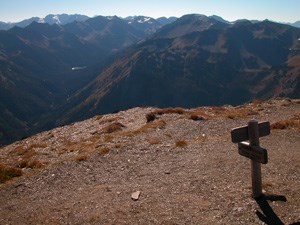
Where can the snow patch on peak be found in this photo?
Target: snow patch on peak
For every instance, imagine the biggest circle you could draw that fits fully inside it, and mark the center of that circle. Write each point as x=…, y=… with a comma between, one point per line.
x=56, y=19
x=41, y=20
x=144, y=20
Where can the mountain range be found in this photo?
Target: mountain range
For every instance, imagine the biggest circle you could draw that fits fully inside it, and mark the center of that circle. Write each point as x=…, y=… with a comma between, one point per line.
x=41, y=65
x=62, y=19
x=55, y=74
x=195, y=61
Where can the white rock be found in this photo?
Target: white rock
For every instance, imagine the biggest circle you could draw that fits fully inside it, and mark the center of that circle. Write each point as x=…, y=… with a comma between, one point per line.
x=135, y=195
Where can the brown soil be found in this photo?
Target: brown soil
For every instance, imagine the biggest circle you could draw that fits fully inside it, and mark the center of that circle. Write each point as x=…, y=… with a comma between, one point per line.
x=187, y=171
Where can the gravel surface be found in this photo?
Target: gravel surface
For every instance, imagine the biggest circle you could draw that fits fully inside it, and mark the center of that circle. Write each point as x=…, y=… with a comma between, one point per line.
x=185, y=171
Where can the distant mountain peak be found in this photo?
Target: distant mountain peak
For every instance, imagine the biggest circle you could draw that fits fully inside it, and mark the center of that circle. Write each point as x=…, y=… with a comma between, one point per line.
x=218, y=18
x=41, y=20
x=56, y=18
x=185, y=25
x=60, y=19
x=139, y=19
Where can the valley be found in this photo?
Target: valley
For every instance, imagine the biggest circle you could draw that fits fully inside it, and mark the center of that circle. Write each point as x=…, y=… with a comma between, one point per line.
x=53, y=75
x=112, y=120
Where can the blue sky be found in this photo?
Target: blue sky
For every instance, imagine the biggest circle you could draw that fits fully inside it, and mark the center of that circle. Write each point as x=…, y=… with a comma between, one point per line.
x=277, y=10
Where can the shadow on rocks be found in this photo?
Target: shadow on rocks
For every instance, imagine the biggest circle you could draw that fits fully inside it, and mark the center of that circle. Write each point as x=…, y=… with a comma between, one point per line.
x=267, y=215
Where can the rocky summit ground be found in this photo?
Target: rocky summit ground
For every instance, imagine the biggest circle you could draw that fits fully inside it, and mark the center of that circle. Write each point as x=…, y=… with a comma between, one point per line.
x=154, y=166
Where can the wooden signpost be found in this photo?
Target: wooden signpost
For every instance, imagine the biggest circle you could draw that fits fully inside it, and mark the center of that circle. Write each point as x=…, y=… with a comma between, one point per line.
x=255, y=153
x=252, y=150
x=240, y=134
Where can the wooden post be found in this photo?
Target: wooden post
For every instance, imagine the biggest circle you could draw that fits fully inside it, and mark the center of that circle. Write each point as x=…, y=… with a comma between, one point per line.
x=253, y=132
x=252, y=150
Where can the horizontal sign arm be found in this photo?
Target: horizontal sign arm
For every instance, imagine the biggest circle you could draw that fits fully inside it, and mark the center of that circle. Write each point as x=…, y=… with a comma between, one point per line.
x=240, y=134
x=255, y=153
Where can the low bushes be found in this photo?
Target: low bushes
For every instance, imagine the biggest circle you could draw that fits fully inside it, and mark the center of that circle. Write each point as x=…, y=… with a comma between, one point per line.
x=293, y=123
x=113, y=127
x=196, y=116
x=7, y=173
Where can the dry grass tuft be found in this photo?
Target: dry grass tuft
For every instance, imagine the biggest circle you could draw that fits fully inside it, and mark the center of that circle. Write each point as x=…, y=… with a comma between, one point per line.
x=116, y=126
x=240, y=113
x=195, y=114
x=7, y=173
x=177, y=110
x=156, y=124
x=36, y=164
x=37, y=145
x=292, y=123
x=267, y=187
x=199, y=114
x=27, y=155
x=85, y=154
x=119, y=145
x=29, y=151
x=104, y=150
x=108, y=138
x=29, y=163
x=68, y=146
x=152, y=115
x=181, y=143
x=81, y=157
x=267, y=184
x=196, y=117
x=153, y=141
x=93, y=139
x=256, y=102
x=110, y=120
x=98, y=117
x=218, y=110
